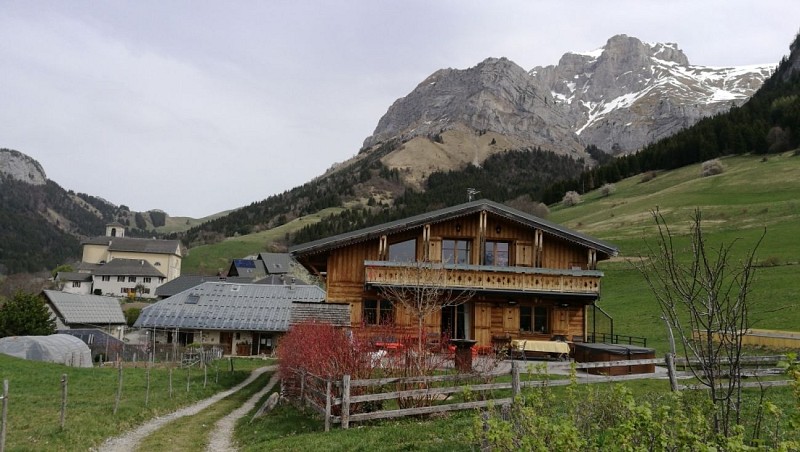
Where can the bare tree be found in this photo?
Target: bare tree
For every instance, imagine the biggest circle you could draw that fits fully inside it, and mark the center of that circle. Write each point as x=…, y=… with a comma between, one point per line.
x=703, y=294
x=424, y=288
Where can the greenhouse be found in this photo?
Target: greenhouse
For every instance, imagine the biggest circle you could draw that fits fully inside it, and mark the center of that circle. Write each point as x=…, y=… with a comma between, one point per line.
x=56, y=348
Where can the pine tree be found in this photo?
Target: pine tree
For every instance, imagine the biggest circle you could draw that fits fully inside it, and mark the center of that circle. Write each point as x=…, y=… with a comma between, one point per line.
x=26, y=315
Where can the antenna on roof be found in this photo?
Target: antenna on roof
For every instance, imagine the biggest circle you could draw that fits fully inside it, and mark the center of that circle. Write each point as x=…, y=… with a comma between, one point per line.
x=471, y=192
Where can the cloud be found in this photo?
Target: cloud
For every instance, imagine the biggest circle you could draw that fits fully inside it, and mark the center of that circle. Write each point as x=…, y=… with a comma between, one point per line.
x=199, y=107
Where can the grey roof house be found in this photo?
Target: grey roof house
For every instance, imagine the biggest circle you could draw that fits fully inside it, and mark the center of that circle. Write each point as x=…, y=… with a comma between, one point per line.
x=244, y=319
x=77, y=311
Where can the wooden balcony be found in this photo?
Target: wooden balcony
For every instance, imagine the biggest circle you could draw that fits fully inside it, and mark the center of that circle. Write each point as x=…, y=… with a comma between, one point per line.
x=483, y=278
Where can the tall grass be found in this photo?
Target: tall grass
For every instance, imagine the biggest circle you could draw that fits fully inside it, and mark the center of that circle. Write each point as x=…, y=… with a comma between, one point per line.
x=35, y=400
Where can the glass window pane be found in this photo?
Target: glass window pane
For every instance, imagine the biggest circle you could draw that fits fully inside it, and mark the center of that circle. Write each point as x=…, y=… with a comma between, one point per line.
x=403, y=251
x=456, y=251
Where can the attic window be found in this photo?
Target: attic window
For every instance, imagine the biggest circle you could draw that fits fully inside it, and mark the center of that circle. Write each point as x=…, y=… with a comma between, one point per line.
x=157, y=264
x=192, y=299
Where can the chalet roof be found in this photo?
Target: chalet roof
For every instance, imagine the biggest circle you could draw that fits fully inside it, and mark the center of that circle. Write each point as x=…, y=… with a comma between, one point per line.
x=448, y=213
x=85, y=309
x=185, y=282
x=73, y=276
x=137, y=245
x=276, y=263
x=227, y=306
x=127, y=267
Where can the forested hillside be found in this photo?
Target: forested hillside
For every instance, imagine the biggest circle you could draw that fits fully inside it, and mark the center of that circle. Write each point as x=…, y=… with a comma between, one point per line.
x=41, y=225
x=23, y=226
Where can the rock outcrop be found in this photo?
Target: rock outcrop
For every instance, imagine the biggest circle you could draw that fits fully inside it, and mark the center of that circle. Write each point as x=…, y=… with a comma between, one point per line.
x=18, y=166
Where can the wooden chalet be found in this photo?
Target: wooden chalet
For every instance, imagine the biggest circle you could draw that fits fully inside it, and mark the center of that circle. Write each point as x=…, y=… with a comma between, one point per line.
x=531, y=279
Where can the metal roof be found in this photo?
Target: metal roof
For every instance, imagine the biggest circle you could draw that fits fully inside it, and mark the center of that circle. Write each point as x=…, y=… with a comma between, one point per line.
x=185, y=282
x=228, y=306
x=85, y=309
x=138, y=245
x=276, y=263
x=127, y=267
x=448, y=213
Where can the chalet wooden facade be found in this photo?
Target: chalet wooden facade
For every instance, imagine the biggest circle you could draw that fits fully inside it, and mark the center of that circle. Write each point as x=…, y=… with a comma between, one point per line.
x=530, y=278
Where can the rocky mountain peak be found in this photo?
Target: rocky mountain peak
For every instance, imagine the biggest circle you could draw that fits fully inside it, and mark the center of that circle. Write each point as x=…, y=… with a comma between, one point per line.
x=619, y=98
x=628, y=93
x=16, y=165
x=496, y=94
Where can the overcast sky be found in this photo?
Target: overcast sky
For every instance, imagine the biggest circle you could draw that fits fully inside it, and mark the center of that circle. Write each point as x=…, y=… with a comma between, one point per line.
x=195, y=107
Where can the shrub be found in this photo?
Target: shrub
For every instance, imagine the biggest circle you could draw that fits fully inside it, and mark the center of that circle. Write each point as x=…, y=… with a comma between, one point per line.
x=711, y=168
x=323, y=350
x=527, y=204
x=608, y=190
x=648, y=176
x=131, y=315
x=571, y=198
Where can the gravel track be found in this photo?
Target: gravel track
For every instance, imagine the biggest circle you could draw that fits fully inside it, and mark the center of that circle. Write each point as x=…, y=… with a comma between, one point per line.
x=129, y=441
x=222, y=435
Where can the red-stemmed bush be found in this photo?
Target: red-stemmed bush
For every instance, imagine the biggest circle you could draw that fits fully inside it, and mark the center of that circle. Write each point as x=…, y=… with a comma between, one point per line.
x=323, y=350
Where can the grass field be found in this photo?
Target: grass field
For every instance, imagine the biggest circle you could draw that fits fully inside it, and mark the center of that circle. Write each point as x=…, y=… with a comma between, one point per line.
x=209, y=259
x=35, y=400
x=750, y=197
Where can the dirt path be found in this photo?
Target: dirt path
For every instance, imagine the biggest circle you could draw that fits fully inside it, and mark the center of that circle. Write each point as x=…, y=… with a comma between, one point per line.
x=129, y=441
x=222, y=435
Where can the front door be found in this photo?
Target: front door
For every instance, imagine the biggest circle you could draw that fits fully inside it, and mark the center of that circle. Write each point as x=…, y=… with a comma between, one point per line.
x=226, y=341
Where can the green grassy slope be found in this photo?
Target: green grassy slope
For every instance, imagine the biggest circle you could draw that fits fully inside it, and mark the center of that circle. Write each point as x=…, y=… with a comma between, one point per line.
x=750, y=196
x=209, y=259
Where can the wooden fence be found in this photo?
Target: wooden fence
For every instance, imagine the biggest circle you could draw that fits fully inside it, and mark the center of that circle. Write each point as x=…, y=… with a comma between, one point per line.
x=346, y=400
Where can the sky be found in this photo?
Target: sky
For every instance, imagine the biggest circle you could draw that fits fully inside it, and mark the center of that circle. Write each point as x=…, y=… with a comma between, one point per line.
x=195, y=107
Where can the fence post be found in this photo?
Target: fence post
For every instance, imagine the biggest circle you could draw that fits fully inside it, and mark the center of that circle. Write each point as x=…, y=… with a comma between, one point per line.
x=673, y=380
x=302, y=388
x=514, y=379
x=328, y=405
x=205, y=375
x=170, y=380
x=230, y=360
x=346, y=401
x=147, y=377
x=4, y=418
x=119, y=385
x=63, y=399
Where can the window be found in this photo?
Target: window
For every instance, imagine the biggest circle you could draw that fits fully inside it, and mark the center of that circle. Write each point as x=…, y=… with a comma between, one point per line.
x=456, y=251
x=147, y=279
x=120, y=279
x=157, y=264
x=496, y=254
x=76, y=283
x=378, y=312
x=403, y=251
x=131, y=279
x=533, y=319
x=105, y=278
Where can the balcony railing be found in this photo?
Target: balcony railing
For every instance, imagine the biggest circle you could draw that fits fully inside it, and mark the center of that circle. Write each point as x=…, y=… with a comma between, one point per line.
x=483, y=278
